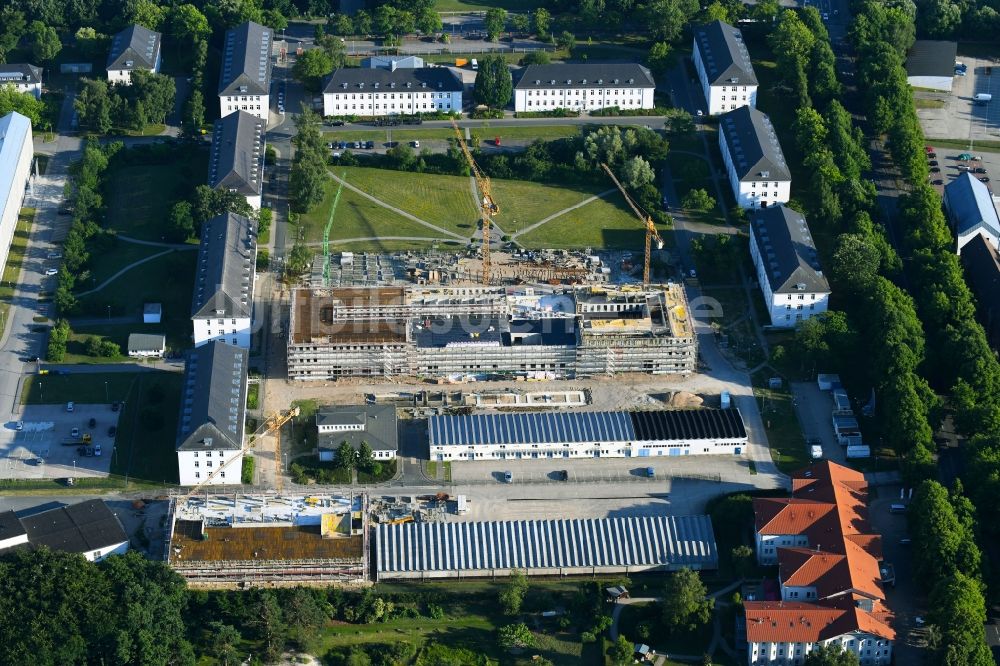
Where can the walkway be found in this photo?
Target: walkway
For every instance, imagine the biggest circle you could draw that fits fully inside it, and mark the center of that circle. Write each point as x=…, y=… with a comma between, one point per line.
x=599, y=195
x=133, y=265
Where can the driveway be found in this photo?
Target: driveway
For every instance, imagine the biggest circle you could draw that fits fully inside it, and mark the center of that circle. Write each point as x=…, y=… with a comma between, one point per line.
x=814, y=408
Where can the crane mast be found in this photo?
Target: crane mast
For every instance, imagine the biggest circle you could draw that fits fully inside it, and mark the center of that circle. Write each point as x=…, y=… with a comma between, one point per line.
x=487, y=205
x=647, y=221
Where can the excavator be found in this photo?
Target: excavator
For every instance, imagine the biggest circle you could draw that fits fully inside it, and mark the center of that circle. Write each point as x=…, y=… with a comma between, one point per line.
x=651, y=233
x=488, y=206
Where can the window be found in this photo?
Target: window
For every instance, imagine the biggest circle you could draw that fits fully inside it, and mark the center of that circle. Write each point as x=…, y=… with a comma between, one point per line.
x=197, y=475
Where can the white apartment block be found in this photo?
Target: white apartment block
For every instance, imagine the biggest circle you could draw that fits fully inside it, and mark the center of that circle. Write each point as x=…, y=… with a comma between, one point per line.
x=787, y=264
x=377, y=92
x=724, y=69
x=16, y=154
x=133, y=48
x=213, y=406
x=245, y=79
x=24, y=77
x=222, y=306
x=755, y=164
x=236, y=163
x=584, y=87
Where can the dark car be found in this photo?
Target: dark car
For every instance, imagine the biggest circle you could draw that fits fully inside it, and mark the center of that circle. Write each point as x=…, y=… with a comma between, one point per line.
x=92, y=422
x=979, y=170
x=65, y=211
x=931, y=156
x=933, y=163
x=937, y=182
x=115, y=406
x=336, y=123
x=370, y=145
x=562, y=475
x=985, y=179
x=112, y=431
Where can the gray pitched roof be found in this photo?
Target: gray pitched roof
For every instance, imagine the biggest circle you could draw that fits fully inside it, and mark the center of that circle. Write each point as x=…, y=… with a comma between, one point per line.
x=140, y=342
x=724, y=54
x=134, y=47
x=753, y=145
x=77, y=528
x=237, y=160
x=20, y=73
x=787, y=250
x=246, y=60
x=214, y=399
x=589, y=75
x=930, y=57
x=385, y=80
x=223, y=286
x=971, y=206
x=981, y=265
x=378, y=423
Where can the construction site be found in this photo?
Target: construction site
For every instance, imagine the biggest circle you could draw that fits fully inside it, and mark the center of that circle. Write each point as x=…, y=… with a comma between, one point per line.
x=489, y=332
x=225, y=541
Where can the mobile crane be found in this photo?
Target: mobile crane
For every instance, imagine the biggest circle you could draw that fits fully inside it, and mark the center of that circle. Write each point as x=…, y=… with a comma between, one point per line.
x=651, y=232
x=488, y=206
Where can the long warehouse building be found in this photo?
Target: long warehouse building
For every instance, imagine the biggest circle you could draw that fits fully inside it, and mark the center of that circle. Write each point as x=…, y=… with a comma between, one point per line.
x=545, y=547
x=622, y=434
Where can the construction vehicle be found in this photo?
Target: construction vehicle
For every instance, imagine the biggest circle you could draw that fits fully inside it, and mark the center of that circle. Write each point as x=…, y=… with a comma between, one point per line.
x=271, y=423
x=487, y=205
x=644, y=217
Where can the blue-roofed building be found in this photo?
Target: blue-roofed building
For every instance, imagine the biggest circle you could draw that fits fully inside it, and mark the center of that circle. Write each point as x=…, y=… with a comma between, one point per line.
x=545, y=547
x=971, y=211
x=586, y=434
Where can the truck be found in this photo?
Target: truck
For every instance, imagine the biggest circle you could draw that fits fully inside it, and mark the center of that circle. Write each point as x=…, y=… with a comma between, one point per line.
x=461, y=504
x=859, y=451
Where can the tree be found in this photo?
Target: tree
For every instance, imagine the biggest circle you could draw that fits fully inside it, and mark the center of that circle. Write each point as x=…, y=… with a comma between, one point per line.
x=494, y=22
x=685, y=605
x=742, y=557
x=336, y=50
x=22, y=102
x=622, y=651
x=146, y=13
x=11, y=29
x=384, y=20
x=699, y=200
x=566, y=41
x=109, y=349
x=362, y=23
x=541, y=19
x=154, y=92
x=636, y=173
x=667, y=18
x=520, y=23
x=267, y=621
x=959, y=610
x=938, y=19
x=298, y=260
x=187, y=26
x=832, y=654
x=494, y=84
x=308, y=179
x=347, y=457
x=90, y=42
x=513, y=636
x=537, y=57
x=194, y=113
x=312, y=65
x=945, y=544
x=428, y=21
x=365, y=459
x=93, y=105
x=512, y=594
x=225, y=642
x=44, y=40
x=659, y=57
x=717, y=11
x=182, y=220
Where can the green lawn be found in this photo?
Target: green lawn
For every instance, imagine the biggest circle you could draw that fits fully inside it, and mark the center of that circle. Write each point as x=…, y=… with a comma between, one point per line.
x=147, y=428
x=523, y=203
x=483, y=5
x=604, y=223
x=788, y=446
x=963, y=145
x=110, y=262
x=678, y=642
x=690, y=173
x=77, y=387
x=15, y=258
x=168, y=280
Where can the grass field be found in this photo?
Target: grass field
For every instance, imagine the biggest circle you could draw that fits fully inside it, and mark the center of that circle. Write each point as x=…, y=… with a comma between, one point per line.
x=605, y=222
x=788, y=446
x=79, y=387
x=922, y=103
x=486, y=131
x=483, y=5
x=15, y=259
x=963, y=144
x=110, y=262
x=145, y=444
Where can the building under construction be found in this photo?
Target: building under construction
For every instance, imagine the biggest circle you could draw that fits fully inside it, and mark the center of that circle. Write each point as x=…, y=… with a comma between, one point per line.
x=220, y=541
x=489, y=332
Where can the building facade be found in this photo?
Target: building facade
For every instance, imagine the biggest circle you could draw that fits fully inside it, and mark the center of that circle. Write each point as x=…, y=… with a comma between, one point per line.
x=245, y=79
x=373, y=424
x=213, y=405
x=133, y=48
x=787, y=264
x=724, y=69
x=755, y=164
x=548, y=435
x=146, y=345
x=236, y=163
x=16, y=154
x=222, y=306
x=830, y=572
x=24, y=77
x=489, y=332
x=584, y=87
x=377, y=91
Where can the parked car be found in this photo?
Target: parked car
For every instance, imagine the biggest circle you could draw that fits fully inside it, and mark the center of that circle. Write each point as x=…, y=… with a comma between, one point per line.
x=19, y=425
x=931, y=156
x=370, y=145
x=112, y=431
x=929, y=149
x=937, y=181
x=358, y=145
x=416, y=144
x=979, y=170
x=75, y=433
x=51, y=271
x=933, y=163
x=65, y=211
x=935, y=169
x=115, y=406
x=562, y=475
x=54, y=255
x=508, y=477
x=650, y=472
x=92, y=423
x=985, y=179
x=97, y=449
x=70, y=406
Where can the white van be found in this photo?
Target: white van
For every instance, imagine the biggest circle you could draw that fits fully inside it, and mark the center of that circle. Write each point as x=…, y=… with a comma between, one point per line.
x=982, y=98
x=475, y=65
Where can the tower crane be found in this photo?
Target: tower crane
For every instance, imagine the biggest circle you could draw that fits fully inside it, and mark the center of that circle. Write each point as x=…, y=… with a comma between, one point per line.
x=487, y=205
x=272, y=423
x=651, y=232
x=326, y=233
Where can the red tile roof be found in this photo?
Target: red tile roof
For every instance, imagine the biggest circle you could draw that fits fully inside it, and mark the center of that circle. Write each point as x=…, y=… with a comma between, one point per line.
x=795, y=622
x=831, y=574
x=787, y=515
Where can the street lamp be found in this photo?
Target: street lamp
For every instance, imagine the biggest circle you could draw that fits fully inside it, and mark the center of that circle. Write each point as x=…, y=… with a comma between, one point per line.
x=107, y=397
x=109, y=313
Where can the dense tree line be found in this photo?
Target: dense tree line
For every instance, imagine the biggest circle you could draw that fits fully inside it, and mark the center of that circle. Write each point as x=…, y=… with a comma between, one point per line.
x=102, y=106
x=953, y=19
x=309, y=178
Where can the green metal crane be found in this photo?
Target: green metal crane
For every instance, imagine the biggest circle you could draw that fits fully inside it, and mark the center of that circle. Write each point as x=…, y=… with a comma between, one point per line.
x=326, y=233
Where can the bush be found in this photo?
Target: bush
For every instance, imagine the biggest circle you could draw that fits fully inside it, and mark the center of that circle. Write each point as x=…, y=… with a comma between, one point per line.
x=616, y=111
x=488, y=114
x=263, y=260
x=554, y=113
x=246, y=475
x=698, y=200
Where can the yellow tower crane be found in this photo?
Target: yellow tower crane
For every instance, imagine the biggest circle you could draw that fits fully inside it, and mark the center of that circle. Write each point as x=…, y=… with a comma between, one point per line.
x=487, y=205
x=651, y=232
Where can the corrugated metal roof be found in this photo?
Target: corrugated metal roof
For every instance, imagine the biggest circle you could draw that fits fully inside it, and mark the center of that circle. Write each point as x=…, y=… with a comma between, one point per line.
x=15, y=131
x=537, y=428
x=673, y=541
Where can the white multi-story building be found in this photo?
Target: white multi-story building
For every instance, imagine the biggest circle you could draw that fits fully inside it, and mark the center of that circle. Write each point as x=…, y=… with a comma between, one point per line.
x=353, y=91
x=374, y=424
x=133, y=48
x=24, y=77
x=758, y=173
x=222, y=306
x=584, y=87
x=236, y=163
x=547, y=435
x=787, y=264
x=245, y=79
x=16, y=153
x=210, y=436
x=724, y=69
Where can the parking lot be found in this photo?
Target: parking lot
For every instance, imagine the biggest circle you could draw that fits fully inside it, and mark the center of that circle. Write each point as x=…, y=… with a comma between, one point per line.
x=959, y=117
x=45, y=446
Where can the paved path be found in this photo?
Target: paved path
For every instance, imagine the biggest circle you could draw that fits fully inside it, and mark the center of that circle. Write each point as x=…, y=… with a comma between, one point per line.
x=599, y=195
x=398, y=211
x=133, y=265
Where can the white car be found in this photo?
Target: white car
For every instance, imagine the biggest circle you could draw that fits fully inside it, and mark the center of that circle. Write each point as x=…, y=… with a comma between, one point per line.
x=52, y=271
x=97, y=449
x=70, y=406
x=416, y=144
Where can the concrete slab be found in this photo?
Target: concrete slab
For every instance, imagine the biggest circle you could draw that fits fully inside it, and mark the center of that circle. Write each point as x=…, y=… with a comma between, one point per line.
x=960, y=117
